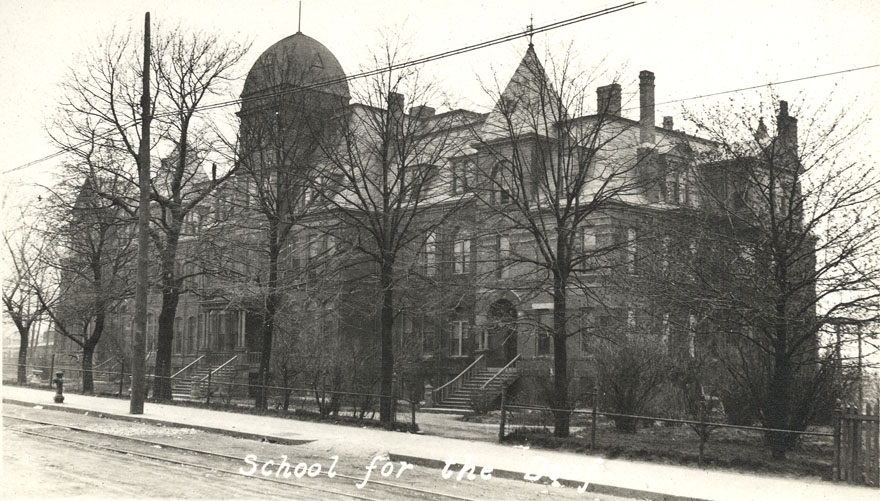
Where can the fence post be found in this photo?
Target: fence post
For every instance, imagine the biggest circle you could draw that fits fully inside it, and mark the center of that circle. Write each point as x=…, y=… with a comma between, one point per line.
x=872, y=429
x=412, y=405
x=208, y=398
x=593, y=417
x=121, y=377
x=702, y=430
x=856, y=445
x=835, y=462
x=503, y=420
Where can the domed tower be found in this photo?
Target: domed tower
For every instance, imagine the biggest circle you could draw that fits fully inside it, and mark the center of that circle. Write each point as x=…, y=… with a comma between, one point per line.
x=293, y=98
x=296, y=64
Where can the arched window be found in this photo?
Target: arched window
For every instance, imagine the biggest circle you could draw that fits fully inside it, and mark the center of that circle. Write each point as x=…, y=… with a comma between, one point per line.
x=430, y=254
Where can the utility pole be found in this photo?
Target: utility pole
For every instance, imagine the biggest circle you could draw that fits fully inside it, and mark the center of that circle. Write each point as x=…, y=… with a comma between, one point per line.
x=138, y=343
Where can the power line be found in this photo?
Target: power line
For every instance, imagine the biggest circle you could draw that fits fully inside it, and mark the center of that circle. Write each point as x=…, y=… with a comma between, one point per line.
x=799, y=79
x=414, y=62
x=364, y=74
x=442, y=55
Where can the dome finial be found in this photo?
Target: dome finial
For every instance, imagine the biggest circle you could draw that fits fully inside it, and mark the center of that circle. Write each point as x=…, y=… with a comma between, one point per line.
x=299, y=18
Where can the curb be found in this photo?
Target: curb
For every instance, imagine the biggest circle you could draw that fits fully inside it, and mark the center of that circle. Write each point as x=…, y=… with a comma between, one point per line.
x=162, y=422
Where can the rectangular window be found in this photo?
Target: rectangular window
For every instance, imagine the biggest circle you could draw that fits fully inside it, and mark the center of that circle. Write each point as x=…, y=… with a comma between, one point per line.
x=544, y=342
x=178, y=335
x=241, y=328
x=585, y=329
x=664, y=330
x=191, y=335
x=631, y=249
x=457, y=338
x=664, y=254
x=462, y=177
x=692, y=335
x=461, y=256
x=543, y=331
x=483, y=339
x=589, y=239
x=502, y=246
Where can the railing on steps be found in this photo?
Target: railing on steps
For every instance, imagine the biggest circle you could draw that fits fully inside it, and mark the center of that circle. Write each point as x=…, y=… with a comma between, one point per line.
x=442, y=393
x=214, y=371
x=500, y=372
x=194, y=362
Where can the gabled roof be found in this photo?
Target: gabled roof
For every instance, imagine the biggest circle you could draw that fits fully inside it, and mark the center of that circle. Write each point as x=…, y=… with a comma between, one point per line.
x=529, y=103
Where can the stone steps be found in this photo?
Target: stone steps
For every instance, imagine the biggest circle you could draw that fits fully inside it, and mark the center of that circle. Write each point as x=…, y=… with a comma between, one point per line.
x=461, y=400
x=182, y=389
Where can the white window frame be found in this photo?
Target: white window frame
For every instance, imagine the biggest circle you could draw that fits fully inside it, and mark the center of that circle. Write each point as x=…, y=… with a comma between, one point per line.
x=457, y=336
x=503, y=244
x=461, y=256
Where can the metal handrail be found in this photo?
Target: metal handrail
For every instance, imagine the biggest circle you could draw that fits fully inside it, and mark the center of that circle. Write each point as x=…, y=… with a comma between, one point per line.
x=457, y=381
x=224, y=364
x=512, y=361
x=187, y=367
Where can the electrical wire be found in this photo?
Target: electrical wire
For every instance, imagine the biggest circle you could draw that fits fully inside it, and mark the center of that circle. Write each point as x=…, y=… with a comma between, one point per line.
x=528, y=32
x=462, y=50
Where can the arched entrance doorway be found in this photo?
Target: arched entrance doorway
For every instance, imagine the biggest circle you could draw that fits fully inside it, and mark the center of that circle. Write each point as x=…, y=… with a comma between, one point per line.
x=502, y=333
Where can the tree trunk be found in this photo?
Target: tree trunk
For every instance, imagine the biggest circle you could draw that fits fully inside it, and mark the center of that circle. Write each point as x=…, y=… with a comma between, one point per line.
x=386, y=405
x=272, y=300
x=88, y=381
x=88, y=347
x=561, y=416
x=22, y=357
x=779, y=394
x=165, y=336
x=165, y=341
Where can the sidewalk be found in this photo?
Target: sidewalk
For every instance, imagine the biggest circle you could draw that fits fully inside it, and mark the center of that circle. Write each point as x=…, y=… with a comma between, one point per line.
x=611, y=476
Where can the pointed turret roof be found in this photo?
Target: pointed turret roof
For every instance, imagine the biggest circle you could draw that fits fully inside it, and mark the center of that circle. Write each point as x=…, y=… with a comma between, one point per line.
x=529, y=103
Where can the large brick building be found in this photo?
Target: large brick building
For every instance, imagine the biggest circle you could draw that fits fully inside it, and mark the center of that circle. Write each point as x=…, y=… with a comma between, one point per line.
x=475, y=277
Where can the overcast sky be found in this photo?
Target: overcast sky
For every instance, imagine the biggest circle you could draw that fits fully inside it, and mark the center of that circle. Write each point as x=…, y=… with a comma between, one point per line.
x=694, y=47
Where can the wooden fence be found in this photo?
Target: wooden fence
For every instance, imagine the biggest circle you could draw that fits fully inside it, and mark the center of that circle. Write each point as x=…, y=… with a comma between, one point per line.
x=857, y=445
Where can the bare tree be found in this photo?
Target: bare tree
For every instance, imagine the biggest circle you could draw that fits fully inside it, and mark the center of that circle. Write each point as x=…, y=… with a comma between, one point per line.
x=285, y=118
x=377, y=186
x=91, y=259
x=794, y=223
x=551, y=173
x=19, y=300
x=100, y=111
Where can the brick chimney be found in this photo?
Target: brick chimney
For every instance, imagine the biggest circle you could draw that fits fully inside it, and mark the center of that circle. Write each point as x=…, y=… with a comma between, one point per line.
x=786, y=130
x=608, y=100
x=667, y=123
x=646, y=108
x=421, y=112
x=395, y=102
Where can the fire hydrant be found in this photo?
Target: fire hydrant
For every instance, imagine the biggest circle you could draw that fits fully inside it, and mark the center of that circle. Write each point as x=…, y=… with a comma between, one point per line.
x=59, y=387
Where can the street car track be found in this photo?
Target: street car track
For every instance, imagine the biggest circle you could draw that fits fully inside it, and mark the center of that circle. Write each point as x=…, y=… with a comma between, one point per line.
x=422, y=493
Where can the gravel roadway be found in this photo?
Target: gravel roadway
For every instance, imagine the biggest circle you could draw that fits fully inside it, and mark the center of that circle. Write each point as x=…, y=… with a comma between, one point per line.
x=43, y=468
